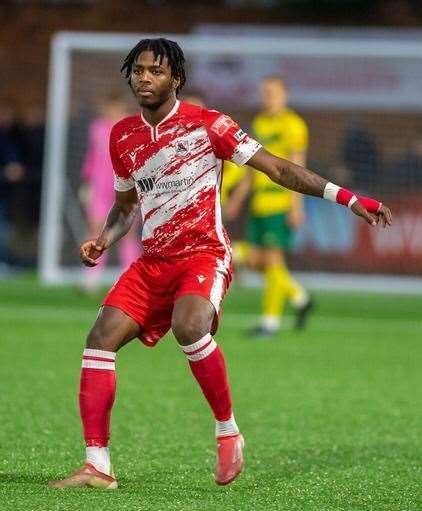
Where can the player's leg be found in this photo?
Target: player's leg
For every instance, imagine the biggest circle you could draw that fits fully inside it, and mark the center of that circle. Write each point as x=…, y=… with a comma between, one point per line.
x=263, y=233
x=192, y=322
x=112, y=330
x=298, y=297
x=293, y=291
x=280, y=286
x=276, y=237
x=274, y=293
x=256, y=258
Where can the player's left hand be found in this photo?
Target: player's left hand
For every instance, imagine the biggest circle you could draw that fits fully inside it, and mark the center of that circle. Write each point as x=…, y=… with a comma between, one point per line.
x=384, y=215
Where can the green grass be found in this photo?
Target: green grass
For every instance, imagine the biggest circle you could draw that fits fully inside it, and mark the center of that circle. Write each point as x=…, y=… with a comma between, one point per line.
x=331, y=416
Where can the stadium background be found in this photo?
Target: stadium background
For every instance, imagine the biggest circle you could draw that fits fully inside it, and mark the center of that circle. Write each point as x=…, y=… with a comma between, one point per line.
x=367, y=456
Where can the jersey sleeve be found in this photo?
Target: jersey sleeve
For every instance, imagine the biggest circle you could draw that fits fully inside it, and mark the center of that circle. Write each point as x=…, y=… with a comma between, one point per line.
x=123, y=181
x=228, y=140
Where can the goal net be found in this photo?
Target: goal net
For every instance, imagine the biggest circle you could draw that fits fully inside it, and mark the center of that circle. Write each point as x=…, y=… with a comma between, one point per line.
x=362, y=101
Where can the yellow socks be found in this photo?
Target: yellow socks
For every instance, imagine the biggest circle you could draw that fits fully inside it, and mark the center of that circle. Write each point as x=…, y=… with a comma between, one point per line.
x=274, y=297
x=297, y=295
x=279, y=286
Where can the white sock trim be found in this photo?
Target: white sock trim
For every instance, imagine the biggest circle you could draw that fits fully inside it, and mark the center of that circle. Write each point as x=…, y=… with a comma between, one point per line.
x=198, y=344
x=226, y=428
x=98, y=364
x=110, y=355
x=194, y=357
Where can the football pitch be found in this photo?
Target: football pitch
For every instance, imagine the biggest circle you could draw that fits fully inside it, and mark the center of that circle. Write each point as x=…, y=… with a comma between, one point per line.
x=332, y=416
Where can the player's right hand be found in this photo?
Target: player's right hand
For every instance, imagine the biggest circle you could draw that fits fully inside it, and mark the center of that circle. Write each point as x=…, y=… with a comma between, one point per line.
x=384, y=214
x=90, y=251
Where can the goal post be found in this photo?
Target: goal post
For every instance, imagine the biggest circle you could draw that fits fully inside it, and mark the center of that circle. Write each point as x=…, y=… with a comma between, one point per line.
x=350, y=91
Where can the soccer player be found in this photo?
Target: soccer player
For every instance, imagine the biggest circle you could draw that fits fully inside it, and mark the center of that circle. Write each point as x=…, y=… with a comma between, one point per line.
x=274, y=211
x=167, y=160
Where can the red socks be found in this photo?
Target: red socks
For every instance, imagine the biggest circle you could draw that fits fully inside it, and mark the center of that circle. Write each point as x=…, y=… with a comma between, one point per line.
x=206, y=361
x=96, y=395
x=98, y=387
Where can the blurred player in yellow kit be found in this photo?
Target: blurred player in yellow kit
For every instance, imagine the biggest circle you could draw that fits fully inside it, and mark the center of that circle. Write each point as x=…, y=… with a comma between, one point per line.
x=274, y=212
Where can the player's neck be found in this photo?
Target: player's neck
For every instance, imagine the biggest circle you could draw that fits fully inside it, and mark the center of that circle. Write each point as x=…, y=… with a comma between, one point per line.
x=155, y=116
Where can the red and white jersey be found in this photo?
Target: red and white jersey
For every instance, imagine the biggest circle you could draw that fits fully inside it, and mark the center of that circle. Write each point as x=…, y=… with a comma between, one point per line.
x=176, y=167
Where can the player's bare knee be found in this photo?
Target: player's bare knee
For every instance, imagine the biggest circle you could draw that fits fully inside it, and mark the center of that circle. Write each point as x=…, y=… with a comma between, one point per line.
x=189, y=330
x=99, y=339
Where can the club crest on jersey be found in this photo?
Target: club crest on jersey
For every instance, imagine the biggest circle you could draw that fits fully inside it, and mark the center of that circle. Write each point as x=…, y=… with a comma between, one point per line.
x=222, y=125
x=182, y=147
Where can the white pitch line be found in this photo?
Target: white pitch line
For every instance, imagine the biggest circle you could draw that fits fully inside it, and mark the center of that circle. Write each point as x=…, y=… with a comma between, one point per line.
x=327, y=322
x=234, y=320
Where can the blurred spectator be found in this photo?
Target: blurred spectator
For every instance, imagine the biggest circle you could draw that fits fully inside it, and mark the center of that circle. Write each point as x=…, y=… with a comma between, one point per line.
x=12, y=173
x=359, y=155
x=31, y=132
x=406, y=171
x=97, y=193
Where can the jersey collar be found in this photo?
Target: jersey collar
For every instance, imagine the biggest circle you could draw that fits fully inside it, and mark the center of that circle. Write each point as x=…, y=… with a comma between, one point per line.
x=166, y=118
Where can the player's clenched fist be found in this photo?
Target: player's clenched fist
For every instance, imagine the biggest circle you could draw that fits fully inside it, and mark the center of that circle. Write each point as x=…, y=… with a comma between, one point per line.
x=90, y=251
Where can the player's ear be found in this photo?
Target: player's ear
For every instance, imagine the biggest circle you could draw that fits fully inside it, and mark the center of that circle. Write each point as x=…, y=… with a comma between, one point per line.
x=176, y=83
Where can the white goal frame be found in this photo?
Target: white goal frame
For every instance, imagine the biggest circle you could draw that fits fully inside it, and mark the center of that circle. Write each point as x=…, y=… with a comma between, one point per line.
x=64, y=43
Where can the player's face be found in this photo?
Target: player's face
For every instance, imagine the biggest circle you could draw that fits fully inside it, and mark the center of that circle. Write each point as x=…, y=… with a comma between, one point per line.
x=273, y=95
x=151, y=80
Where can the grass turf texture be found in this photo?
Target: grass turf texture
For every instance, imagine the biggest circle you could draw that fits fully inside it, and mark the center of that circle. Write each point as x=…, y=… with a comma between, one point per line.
x=331, y=416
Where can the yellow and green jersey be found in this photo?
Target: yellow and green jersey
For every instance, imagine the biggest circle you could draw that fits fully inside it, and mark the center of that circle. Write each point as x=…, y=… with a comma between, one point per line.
x=283, y=135
x=233, y=174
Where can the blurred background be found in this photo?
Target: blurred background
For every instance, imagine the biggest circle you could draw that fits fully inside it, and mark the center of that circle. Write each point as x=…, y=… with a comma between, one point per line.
x=353, y=71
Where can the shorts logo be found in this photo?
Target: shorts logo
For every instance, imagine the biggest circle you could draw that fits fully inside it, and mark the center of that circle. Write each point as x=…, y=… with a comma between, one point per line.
x=239, y=135
x=182, y=147
x=201, y=278
x=222, y=125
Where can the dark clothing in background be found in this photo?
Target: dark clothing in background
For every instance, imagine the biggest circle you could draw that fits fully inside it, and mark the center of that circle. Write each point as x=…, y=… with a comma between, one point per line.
x=8, y=155
x=360, y=155
x=30, y=139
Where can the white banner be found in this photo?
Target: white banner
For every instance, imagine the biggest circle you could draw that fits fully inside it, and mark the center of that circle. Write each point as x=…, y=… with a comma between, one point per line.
x=340, y=73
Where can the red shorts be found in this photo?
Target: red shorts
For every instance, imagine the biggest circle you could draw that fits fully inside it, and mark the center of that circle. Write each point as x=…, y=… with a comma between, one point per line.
x=148, y=289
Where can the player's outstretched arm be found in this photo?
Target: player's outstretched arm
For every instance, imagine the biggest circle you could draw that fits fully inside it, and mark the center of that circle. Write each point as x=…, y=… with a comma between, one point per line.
x=119, y=220
x=299, y=179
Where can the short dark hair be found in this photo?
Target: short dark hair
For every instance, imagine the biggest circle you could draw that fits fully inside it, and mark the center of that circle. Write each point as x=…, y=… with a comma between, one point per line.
x=161, y=47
